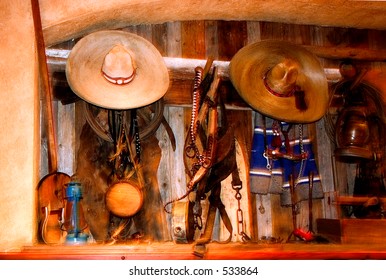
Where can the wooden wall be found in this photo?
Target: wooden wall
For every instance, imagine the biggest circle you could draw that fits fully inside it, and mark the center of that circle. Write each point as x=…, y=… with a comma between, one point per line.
x=221, y=40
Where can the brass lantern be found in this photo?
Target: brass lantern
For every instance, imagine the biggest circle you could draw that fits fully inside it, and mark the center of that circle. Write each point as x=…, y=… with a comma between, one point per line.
x=352, y=130
x=353, y=133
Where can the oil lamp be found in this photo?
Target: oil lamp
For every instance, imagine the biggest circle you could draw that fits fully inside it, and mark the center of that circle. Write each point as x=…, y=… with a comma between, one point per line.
x=74, y=222
x=353, y=133
x=352, y=126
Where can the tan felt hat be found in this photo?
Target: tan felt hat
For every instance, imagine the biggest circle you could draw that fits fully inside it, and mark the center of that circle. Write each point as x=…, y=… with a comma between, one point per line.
x=117, y=70
x=281, y=80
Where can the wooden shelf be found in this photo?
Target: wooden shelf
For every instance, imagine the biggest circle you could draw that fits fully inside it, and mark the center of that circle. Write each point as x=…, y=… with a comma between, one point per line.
x=171, y=251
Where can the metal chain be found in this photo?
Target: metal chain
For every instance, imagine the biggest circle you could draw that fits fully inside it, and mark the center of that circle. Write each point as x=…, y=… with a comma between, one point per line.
x=301, y=146
x=240, y=215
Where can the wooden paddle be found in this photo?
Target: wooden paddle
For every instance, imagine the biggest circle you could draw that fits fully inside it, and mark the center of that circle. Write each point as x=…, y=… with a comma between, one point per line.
x=50, y=187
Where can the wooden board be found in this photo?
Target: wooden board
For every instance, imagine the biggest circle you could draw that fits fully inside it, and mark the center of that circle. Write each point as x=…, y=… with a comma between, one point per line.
x=353, y=231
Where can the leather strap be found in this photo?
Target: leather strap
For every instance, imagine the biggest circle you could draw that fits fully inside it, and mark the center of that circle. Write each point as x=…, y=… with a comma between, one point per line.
x=213, y=184
x=206, y=237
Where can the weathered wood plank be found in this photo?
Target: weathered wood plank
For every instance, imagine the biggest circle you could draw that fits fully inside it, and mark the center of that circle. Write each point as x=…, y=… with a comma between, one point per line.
x=173, y=39
x=170, y=174
x=232, y=36
x=341, y=53
x=193, y=39
x=281, y=218
x=324, y=155
x=211, y=39
x=263, y=211
x=253, y=32
x=66, y=138
x=164, y=172
x=159, y=38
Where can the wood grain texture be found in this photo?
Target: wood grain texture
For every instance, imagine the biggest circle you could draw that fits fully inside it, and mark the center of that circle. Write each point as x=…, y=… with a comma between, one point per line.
x=234, y=251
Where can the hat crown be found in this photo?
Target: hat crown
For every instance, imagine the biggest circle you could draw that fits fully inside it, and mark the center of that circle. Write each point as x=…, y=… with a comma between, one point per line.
x=117, y=70
x=118, y=66
x=281, y=79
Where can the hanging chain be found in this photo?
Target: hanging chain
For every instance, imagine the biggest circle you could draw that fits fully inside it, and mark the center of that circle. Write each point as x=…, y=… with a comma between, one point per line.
x=301, y=146
x=301, y=168
x=239, y=214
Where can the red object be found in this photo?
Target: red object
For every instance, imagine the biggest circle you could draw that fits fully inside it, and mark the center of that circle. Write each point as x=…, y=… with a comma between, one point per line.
x=306, y=236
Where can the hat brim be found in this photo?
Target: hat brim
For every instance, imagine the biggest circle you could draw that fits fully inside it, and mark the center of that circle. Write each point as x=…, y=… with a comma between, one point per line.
x=250, y=64
x=84, y=75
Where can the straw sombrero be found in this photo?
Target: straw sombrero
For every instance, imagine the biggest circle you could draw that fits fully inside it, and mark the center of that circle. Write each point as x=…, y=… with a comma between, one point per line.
x=281, y=80
x=117, y=70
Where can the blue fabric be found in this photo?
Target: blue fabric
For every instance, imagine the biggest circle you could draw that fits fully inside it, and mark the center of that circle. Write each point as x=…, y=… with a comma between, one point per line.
x=276, y=179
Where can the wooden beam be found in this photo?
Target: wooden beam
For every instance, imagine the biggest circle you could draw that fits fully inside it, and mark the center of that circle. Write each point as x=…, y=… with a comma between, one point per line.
x=342, y=53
